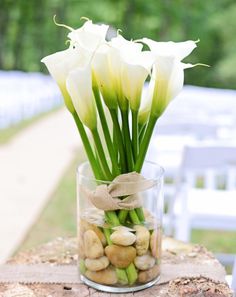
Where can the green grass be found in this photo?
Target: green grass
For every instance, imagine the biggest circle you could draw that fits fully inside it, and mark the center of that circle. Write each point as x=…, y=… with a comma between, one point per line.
x=216, y=241
x=7, y=134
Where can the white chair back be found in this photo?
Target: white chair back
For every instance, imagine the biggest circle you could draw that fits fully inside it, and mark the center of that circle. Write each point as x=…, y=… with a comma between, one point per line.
x=211, y=162
x=212, y=168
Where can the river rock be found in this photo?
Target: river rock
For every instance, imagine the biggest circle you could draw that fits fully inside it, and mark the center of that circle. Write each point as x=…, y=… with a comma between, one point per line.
x=120, y=256
x=144, y=262
x=155, y=241
x=123, y=237
x=85, y=226
x=106, y=276
x=142, y=239
x=92, y=245
x=96, y=264
x=148, y=275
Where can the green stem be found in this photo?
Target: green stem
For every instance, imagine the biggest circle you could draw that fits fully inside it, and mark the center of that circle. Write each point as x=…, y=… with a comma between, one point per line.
x=141, y=133
x=123, y=215
x=106, y=132
x=113, y=218
x=120, y=143
x=131, y=273
x=127, y=141
x=145, y=143
x=92, y=159
x=122, y=276
x=134, y=217
x=107, y=234
x=101, y=154
x=101, y=175
x=115, y=145
x=135, y=143
x=140, y=214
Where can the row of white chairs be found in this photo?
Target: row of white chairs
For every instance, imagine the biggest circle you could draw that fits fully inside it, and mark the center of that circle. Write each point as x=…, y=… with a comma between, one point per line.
x=25, y=95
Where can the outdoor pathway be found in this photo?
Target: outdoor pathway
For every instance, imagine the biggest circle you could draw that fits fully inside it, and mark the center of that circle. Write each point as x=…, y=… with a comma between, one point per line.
x=31, y=166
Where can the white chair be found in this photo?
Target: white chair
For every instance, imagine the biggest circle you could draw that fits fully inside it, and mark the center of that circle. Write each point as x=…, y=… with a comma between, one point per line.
x=214, y=205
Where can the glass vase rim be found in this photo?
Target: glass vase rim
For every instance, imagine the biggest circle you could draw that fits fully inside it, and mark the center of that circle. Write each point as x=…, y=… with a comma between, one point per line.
x=155, y=179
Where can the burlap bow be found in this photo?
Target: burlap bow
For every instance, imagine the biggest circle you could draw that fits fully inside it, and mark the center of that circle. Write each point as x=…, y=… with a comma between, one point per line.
x=105, y=197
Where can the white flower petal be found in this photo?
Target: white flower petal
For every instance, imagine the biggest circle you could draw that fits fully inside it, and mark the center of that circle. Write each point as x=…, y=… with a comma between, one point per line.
x=169, y=78
x=130, y=68
x=79, y=86
x=124, y=45
x=60, y=64
x=179, y=50
x=132, y=80
x=103, y=75
x=90, y=36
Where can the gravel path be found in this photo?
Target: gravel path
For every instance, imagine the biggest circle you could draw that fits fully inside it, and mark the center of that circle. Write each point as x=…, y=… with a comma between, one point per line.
x=31, y=166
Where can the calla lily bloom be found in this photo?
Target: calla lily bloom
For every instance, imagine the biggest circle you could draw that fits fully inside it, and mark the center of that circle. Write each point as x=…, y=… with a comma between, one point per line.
x=119, y=47
x=60, y=64
x=168, y=71
x=168, y=74
x=180, y=50
x=79, y=86
x=102, y=74
x=90, y=36
x=135, y=70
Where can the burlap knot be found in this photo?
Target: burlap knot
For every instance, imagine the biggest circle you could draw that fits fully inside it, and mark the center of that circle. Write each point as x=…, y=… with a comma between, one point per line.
x=105, y=197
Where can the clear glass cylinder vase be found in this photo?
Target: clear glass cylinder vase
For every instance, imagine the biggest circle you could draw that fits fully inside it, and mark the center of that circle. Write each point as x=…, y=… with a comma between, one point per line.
x=120, y=250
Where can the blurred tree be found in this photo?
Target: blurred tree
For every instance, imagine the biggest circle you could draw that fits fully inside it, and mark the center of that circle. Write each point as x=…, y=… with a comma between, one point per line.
x=27, y=32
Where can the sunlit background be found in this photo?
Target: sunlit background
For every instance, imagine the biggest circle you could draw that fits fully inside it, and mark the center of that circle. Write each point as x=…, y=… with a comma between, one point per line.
x=40, y=147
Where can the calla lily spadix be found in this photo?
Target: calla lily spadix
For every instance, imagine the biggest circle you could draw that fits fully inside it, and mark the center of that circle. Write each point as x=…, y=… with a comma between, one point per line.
x=79, y=86
x=60, y=64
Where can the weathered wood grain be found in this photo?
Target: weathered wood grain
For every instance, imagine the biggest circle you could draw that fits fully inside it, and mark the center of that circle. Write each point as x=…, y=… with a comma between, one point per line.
x=63, y=251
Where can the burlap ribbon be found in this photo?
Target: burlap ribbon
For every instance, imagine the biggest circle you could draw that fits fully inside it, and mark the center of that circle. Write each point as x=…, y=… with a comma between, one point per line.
x=105, y=197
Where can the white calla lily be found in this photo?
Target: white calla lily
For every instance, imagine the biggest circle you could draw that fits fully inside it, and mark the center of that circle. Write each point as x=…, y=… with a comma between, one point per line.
x=119, y=46
x=60, y=64
x=134, y=72
x=180, y=50
x=79, y=86
x=168, y=74
x=102, y=73
x=90, y=36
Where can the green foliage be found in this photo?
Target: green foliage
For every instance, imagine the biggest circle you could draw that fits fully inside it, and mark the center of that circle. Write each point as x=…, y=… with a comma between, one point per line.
x=27, y=31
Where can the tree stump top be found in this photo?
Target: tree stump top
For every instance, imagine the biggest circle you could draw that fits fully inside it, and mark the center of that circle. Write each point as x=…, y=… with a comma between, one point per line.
x=64, y=251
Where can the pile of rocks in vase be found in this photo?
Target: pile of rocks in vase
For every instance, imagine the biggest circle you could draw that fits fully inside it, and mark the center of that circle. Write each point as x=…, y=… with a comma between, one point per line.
x=136, y=247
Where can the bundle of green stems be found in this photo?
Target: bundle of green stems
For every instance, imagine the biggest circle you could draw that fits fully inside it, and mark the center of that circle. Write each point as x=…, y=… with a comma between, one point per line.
x=127, y=149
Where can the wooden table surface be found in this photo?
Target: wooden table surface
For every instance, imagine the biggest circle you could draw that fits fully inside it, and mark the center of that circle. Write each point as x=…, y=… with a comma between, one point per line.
x=63, y=251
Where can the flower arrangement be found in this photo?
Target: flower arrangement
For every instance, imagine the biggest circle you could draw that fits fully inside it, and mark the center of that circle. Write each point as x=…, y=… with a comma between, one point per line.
x=97, y=77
